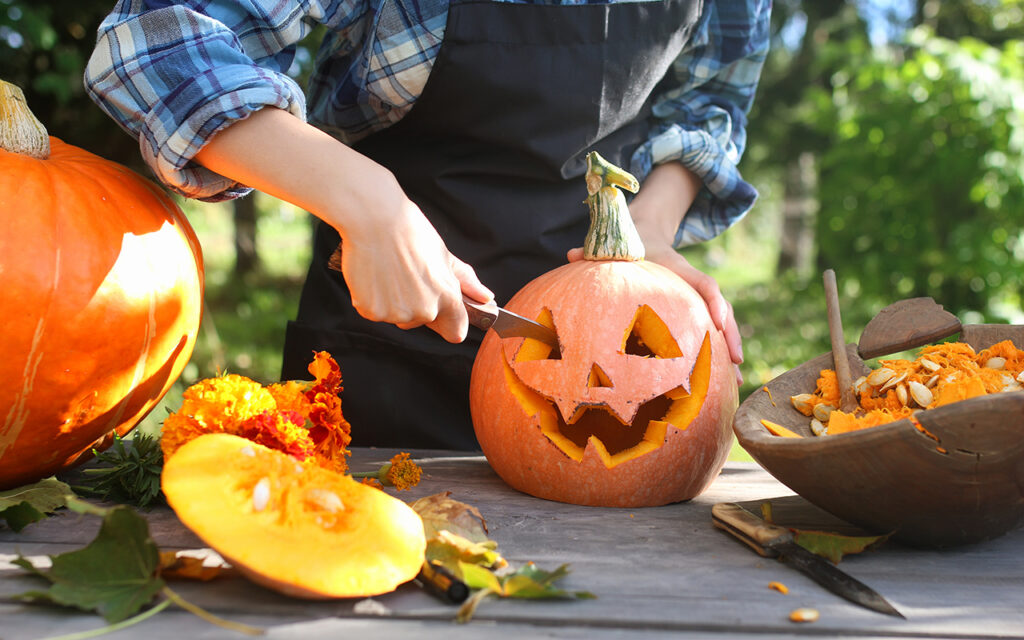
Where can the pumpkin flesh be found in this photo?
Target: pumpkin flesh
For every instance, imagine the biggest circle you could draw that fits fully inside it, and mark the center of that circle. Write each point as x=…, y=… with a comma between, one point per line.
x=296, y=528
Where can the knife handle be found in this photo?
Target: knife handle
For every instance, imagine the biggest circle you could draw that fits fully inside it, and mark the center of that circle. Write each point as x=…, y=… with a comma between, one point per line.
x=748, y=528
x=481, y=314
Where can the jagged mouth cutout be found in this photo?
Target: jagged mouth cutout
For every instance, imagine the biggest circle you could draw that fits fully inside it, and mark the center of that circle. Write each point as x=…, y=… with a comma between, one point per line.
x=594, y=424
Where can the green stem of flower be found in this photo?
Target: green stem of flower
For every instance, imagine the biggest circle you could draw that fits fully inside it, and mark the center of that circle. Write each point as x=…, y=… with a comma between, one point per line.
x=209, y=617
x=117, y=626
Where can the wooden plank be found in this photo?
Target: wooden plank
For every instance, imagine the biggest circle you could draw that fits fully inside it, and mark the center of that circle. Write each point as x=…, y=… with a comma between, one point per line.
x=656, y=571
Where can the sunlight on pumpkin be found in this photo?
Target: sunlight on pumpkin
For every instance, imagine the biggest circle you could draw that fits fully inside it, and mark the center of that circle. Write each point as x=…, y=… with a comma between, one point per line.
x=614, y=441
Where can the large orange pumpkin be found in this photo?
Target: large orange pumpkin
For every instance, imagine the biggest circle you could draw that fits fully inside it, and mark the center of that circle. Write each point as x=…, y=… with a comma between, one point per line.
x=102, y=295
x=635, y=408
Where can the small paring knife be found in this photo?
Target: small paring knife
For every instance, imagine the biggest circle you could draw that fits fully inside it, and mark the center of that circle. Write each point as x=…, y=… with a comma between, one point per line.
x=772, y=541
x=488, y=315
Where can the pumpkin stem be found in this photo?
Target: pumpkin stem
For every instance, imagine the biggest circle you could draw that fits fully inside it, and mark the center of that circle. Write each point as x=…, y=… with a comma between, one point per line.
x=612, y=234
x=20, y=131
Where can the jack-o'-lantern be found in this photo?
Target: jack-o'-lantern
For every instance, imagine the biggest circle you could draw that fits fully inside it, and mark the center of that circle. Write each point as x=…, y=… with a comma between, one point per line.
x=635, y=407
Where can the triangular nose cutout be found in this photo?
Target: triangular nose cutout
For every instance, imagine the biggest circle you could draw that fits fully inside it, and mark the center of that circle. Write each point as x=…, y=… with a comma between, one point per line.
x=598, y=378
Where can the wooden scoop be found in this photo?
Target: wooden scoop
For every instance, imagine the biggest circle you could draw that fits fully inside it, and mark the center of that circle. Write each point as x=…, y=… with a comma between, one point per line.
x=847, y=400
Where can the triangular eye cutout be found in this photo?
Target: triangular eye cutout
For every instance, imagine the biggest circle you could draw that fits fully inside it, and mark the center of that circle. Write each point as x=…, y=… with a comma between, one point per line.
x=649, y=336
x=598, y=378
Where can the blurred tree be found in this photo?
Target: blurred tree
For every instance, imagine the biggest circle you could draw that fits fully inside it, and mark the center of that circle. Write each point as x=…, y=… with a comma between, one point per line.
x=43, y=49
x=922, y=186
x=993, y=21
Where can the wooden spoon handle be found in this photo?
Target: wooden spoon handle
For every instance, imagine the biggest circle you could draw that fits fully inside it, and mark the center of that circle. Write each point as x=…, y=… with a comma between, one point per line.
x=839, y=357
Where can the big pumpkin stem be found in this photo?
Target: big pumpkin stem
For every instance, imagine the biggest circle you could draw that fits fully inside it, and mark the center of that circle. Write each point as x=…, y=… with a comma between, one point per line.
x=20, y=131
x=612, y=234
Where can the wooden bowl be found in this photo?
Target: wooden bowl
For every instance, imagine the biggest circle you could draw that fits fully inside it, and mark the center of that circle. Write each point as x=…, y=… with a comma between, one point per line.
x=964, y=486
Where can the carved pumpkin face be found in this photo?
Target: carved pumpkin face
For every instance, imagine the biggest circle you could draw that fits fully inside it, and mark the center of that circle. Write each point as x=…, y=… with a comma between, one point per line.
x=636, y=407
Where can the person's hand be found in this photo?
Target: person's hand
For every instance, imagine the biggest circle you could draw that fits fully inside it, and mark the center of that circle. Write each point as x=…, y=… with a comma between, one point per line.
x=398, y=268
x=657, y=209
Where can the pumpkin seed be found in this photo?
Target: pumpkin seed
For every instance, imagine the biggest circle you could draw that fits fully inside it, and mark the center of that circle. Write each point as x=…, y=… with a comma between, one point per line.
x=802, y=403
x=995, y=363
x=324, y=499
x=894, y=381
x=817, y=428
x=921, y=394
x=929, y=365
x=261, y=494
x=932, y=381
x=823, y=411
x=804, y=614
x=1020, y=377
x=860, y=385
x=880, y=376
x=901, y=394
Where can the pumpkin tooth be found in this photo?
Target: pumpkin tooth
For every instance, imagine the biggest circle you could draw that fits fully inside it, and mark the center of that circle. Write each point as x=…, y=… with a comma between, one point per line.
x=261, y=494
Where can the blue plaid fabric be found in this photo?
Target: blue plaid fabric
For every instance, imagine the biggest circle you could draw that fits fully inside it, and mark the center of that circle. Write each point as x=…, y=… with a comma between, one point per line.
x=173, y=73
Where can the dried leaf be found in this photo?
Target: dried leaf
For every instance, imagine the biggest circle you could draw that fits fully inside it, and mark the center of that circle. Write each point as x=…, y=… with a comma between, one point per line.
x=450, y=549
x=441, y=513
x=22, y=506
x=833, y=545
x=173, y=564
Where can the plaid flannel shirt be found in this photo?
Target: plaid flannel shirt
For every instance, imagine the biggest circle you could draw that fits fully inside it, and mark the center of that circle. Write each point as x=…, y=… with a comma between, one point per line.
x=174, y=72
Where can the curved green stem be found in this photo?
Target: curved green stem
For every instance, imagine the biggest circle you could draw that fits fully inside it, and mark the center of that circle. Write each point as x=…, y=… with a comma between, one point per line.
x=209, y=617
x=612, y=234
x=117, y=626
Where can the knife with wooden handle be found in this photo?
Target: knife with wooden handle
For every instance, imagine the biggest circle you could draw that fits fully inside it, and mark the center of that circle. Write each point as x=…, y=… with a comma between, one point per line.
x=488, y=315
x=772, y=541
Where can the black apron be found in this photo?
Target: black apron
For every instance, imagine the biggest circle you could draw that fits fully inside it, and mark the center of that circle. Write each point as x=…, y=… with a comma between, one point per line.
x=493, y=152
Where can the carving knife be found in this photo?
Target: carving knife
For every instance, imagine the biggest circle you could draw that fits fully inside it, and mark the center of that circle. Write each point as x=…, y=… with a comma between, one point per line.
x=507, y=324
x=772, y=541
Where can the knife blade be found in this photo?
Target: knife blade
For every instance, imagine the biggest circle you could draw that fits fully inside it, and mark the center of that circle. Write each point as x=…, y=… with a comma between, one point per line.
x=488, y=315
x=772, y=541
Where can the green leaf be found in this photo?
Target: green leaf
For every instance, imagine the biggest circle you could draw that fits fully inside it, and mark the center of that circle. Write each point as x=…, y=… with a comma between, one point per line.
x=833, y=545
x=22, y=506
x=477, y=577
x=115, y=574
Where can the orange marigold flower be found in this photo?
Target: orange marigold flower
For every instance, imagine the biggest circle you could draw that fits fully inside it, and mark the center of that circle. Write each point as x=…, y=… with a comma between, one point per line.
x=400, y=472
x=281, y=430
x=373, y=482
x=403, y=473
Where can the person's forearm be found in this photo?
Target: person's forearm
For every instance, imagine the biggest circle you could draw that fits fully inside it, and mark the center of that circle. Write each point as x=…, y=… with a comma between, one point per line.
x=664, y=198
x=276, y=153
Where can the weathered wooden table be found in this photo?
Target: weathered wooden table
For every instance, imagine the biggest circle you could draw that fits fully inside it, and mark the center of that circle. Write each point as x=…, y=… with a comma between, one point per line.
x=656, y=572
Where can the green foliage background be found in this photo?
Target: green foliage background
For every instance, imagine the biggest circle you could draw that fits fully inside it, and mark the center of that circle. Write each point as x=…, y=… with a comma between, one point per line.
x=913, y=146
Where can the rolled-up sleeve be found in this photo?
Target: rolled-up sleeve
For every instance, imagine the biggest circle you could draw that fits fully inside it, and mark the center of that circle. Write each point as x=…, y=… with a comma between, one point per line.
x=701, y=120
x=173, y=74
